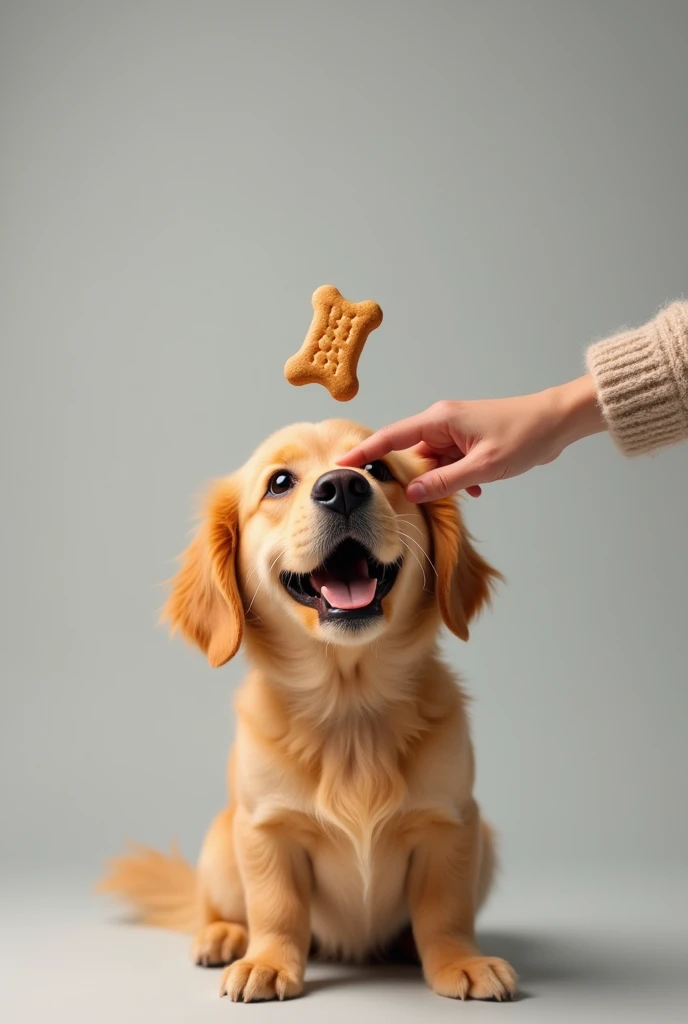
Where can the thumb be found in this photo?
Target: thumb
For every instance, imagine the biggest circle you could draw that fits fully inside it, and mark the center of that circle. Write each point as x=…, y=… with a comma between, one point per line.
x=469, y=471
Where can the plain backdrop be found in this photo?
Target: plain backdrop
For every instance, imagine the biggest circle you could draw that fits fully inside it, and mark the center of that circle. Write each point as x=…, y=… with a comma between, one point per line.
x=509, y=181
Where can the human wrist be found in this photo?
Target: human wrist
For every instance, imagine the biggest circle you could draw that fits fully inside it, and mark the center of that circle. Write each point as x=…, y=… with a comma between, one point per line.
x=577, y=413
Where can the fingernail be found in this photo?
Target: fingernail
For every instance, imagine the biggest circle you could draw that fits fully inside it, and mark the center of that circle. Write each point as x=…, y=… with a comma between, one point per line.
x=416, y=491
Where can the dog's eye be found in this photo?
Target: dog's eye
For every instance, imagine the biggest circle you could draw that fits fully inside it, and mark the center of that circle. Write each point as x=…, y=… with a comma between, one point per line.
x=379, y=470
x=280, y=482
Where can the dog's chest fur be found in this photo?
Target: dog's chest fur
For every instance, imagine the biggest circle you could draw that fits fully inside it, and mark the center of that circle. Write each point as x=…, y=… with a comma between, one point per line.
x=359, y=805
x=360, y=854
x=358, y=899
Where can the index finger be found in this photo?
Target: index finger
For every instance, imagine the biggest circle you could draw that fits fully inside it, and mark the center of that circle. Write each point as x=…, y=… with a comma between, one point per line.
x=394, y=438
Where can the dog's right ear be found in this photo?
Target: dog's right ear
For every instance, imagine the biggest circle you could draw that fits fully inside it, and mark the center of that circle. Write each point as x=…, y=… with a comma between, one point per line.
x=204, y=604
x=464, y=579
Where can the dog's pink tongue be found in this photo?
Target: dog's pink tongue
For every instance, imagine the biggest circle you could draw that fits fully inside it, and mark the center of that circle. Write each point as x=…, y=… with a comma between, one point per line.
x=356, y=592
x=347, y=594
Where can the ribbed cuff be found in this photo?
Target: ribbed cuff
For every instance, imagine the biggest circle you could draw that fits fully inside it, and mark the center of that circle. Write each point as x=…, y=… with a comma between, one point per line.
x=641, y=378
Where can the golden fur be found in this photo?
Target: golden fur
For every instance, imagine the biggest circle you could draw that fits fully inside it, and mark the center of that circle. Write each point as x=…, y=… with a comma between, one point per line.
x=351, y=814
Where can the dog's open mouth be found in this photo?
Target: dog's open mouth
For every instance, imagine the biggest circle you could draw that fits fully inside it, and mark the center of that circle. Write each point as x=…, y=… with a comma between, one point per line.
x=349, y=585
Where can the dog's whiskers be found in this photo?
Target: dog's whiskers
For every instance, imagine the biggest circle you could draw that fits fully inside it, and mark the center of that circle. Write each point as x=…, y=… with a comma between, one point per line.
x=279, y=555
x=420, y=548
x=402, y=519
x=253, y=569
x=413, y=553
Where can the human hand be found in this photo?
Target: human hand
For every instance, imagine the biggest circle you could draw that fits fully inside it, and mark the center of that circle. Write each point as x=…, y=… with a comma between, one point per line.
x=474, y=443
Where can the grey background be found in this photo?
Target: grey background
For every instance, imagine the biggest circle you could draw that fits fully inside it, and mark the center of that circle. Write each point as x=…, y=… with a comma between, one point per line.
x=508, y=181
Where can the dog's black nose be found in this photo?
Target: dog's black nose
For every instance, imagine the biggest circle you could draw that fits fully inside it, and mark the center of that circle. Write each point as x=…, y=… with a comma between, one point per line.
x=342, y=490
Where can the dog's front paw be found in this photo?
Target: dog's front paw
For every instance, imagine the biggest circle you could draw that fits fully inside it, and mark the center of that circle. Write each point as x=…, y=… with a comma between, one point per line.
x=219, y=943
x=253, y=980
x=475, y=977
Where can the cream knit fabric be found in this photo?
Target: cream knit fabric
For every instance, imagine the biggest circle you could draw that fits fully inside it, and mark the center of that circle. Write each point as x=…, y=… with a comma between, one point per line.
x=641, y=377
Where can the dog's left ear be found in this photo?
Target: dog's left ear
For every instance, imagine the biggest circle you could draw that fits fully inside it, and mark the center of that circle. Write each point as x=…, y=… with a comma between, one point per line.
x=465, y=580
x=205, y=604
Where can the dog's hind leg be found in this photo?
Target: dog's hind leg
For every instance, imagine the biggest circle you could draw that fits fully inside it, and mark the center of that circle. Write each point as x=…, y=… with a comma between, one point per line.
x=222, y=936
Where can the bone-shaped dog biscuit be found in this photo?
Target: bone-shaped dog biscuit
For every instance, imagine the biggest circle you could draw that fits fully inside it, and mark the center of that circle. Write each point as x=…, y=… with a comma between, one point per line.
x=331, y=350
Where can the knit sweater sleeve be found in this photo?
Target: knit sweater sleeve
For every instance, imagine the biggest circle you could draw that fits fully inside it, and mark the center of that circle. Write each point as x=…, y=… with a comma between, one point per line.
x=641, y=378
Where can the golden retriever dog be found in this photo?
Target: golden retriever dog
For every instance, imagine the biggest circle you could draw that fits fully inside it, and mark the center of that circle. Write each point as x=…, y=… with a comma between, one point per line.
x=351, y=821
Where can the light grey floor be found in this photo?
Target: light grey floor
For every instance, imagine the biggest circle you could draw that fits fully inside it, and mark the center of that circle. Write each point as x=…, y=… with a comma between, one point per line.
x=587, y=948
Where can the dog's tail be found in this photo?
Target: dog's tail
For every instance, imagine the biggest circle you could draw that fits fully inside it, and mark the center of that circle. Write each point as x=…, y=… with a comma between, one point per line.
x=162, y=891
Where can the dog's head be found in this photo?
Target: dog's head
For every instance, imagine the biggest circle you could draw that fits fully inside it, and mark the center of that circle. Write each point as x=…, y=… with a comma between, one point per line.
x=292, y=541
